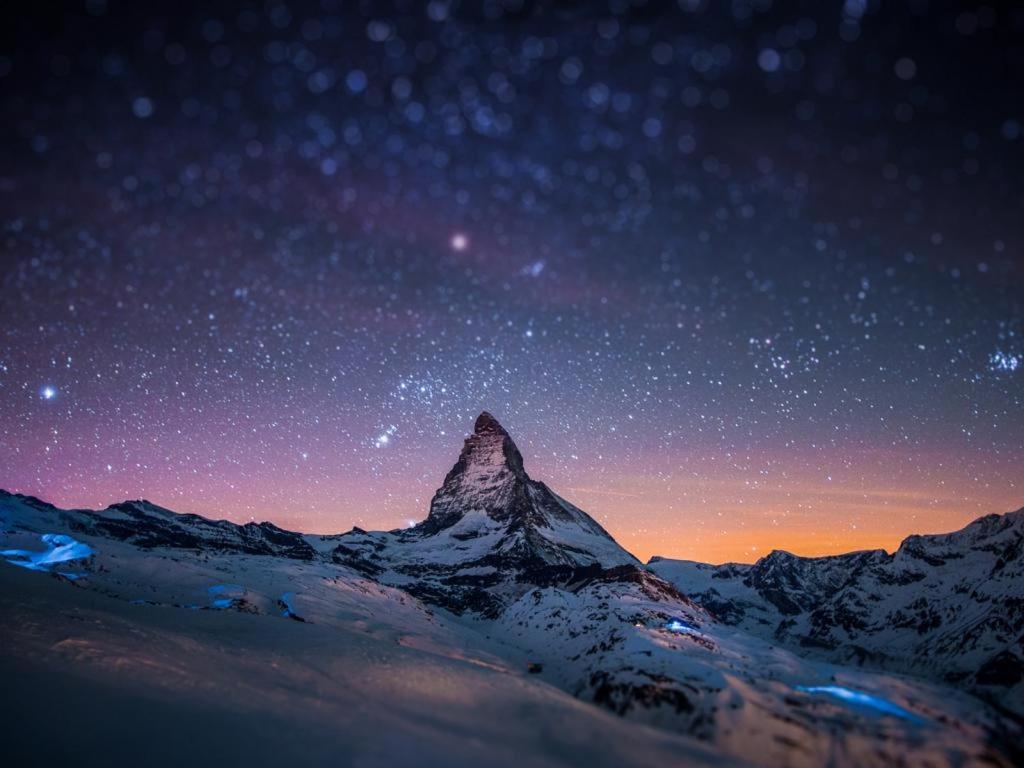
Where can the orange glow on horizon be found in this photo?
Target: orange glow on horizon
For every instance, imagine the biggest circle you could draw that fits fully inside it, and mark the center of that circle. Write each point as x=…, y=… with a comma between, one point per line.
x=824, y=526
x=685, y=506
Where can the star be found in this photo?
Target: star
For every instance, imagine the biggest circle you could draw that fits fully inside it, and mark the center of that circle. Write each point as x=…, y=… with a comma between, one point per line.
x=48, y=392
x=459, y=241
x=384, y=437
x=1002, y=362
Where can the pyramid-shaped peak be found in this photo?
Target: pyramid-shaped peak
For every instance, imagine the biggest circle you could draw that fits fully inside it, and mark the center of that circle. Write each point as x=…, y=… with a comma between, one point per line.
x=488, y=510
x=490, y=445
x=487, y=424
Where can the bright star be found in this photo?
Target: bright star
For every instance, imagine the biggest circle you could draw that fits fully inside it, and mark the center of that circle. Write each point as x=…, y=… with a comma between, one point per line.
x=1003, y=362
x=459, y=241
x=48, y=393
x=385, y=437
x=534, y=269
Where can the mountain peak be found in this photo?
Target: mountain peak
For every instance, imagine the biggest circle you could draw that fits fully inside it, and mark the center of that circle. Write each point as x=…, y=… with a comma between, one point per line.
x=487, y=424
x=489, y=450
x=483, y=478
x=487, y=497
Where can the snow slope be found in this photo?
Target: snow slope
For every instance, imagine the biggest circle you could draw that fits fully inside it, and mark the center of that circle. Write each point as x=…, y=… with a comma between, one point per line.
x=91, y=679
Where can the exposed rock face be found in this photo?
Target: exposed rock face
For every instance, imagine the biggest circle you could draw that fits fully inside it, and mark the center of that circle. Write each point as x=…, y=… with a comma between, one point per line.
x=488, y=490
x=489, y=475
x=147, y=525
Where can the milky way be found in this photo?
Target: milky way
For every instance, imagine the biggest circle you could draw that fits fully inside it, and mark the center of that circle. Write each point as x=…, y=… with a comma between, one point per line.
x=736, y=277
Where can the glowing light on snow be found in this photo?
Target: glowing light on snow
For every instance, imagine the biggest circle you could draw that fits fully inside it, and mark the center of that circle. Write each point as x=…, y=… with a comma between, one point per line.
x=683, y=627
x=861, y=699
x=218, y=589
x=459, y=241
x=60, y=549
x=225, y=595
x=286, y=601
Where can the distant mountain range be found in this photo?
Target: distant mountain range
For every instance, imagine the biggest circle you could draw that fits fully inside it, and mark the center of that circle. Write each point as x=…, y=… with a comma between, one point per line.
x=915, y=658
x=949, y=607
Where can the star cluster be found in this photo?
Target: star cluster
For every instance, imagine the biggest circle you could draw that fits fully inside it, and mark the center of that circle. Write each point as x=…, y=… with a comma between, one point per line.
x=737, y=276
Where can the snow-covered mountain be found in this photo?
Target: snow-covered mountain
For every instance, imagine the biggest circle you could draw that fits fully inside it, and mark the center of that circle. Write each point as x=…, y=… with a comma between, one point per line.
x=507, y=602
x=491, y=533
x=949, y=607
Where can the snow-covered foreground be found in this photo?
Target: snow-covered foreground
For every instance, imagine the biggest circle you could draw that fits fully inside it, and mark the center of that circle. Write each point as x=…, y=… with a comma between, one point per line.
x=507, y=628
x=120, y=671
x=150, y=644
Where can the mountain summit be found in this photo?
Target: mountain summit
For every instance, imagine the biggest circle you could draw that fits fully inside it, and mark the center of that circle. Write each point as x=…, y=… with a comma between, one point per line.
x=487, y=475
x=488, y=495
x=486, y=423
x=489, y=523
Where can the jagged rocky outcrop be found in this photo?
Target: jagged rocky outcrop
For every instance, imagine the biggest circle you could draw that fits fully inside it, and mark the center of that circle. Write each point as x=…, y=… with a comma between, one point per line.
x=147, y=525
x=949, y=607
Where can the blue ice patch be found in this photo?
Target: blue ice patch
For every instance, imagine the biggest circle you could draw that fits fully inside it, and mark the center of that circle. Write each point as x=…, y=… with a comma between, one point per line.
x=286, y=601
x=60, y=549
x=219, y=589
x=861, y=699
x=224, y=595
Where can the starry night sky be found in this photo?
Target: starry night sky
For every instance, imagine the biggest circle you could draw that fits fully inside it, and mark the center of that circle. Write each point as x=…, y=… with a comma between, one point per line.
x=736, y=276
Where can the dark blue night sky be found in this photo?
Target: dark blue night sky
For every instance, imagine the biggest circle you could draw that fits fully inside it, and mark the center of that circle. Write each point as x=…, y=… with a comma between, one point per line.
x=735, y=275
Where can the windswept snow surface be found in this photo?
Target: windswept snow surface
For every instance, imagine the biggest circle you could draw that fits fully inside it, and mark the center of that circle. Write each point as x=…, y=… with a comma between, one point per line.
x=376, y=676
x=90, y=680
x=372, y=678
